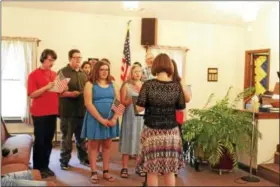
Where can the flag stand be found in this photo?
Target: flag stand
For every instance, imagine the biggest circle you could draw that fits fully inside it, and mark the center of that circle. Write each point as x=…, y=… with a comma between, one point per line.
x=250, y=177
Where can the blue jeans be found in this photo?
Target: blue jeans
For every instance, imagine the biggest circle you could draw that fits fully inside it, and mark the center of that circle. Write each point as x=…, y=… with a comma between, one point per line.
x=21, y=178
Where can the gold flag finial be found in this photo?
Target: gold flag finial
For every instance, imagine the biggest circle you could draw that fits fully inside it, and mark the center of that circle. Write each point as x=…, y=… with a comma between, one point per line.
x=128, y=24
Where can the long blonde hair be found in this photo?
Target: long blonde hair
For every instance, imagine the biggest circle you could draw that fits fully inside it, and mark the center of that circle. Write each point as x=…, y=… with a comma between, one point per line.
x=129, y=78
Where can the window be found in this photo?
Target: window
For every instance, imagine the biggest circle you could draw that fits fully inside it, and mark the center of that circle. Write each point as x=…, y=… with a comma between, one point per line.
x=178, y=55
x=16, y=58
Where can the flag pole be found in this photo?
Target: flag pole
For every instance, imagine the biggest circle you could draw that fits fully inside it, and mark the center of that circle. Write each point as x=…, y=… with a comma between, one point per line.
x=111, y=107
x=128, y=25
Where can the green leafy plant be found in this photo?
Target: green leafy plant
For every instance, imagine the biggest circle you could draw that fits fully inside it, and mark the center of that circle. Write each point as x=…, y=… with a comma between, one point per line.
x=220, y=127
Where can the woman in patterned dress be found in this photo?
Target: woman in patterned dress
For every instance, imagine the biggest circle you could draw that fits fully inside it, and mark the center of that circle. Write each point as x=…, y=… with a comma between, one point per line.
x=131, y=125
x=161, y=145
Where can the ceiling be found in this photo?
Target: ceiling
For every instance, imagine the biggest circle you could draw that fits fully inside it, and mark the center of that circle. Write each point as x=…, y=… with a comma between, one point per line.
x=195, y=11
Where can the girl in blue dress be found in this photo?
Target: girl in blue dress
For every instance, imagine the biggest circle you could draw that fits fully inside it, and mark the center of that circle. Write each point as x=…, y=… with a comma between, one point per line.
x=100, y=122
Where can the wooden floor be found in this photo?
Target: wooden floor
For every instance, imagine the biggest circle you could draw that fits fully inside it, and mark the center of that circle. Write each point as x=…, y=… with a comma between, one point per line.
x=79, y=175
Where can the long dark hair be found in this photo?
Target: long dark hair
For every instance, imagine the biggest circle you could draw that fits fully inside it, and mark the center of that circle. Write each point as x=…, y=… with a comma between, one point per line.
x=175, y=76
x=95, y=72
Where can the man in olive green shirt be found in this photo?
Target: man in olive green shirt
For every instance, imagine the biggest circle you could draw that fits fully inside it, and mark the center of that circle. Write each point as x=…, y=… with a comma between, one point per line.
x=72, y=110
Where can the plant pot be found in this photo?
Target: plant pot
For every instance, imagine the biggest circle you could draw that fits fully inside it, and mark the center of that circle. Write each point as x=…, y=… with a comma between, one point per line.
x=226, y=162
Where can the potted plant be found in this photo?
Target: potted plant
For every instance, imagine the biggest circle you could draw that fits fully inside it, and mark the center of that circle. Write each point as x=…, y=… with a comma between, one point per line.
x=220, y=130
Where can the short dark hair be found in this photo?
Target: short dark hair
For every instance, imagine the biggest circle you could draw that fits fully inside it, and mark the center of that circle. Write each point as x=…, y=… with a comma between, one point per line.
x=106, y=60
x=162, y=63
x=46, y=53
x=71, y=52
x=96, y=59
x=85, y=63
x=137, y=63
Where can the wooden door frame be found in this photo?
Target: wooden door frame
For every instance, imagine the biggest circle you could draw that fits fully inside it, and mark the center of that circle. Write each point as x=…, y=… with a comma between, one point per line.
x=247, y=72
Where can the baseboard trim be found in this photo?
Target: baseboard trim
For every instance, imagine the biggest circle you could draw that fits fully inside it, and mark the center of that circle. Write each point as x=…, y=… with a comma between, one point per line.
x=12, y=119
x=246, y=168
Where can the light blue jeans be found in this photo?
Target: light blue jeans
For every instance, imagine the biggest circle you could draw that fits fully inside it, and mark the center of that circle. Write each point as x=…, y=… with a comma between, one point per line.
x=21, y=178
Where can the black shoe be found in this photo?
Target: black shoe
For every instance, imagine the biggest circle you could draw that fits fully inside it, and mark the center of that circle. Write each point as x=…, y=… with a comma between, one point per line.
x=44, y=174
x=49, y=172
x=85, y=163
x=64, y=166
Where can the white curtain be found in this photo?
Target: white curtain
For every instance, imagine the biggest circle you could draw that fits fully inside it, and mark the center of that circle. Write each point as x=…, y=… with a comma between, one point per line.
x=30, y=51
x=4, y=57
x=18, y=60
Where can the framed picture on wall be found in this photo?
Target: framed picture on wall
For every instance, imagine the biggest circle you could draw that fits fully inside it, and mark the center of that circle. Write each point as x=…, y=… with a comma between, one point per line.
x=212, y=75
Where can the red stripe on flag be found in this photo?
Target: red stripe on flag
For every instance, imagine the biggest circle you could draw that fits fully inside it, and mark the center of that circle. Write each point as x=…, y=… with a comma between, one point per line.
x=124, y=69
x=118, y=109
x=126, y=57
x=136, y=88
x=61, y=84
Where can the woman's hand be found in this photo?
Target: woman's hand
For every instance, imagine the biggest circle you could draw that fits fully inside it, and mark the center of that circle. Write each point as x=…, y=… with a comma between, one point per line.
x=104, y=122
x=128, y=102
x=49, y=85
x=112, y=122
x=66, y=89
x=140, y=109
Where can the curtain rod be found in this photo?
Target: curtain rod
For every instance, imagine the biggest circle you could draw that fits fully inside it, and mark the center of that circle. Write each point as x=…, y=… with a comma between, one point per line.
x=169, y=47
x=26, y=39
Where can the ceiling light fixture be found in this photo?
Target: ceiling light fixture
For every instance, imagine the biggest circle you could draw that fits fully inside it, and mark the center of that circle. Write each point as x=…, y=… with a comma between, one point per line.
x=247, y=10
x=131, y=5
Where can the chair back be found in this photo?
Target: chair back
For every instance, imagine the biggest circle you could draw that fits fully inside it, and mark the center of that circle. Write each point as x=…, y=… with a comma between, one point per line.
x=4, y=132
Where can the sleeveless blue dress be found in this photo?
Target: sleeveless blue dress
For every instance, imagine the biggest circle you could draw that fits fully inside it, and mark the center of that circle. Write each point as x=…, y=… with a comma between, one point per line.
x=103, y=99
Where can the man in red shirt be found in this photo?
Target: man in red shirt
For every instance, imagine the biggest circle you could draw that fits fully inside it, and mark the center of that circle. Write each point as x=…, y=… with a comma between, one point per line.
x=44, y=110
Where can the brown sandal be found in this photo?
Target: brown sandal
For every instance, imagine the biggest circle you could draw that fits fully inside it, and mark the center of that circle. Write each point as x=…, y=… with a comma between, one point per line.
x=124, y=173
x=140, y=172
x=94, y=177
x=110, y=178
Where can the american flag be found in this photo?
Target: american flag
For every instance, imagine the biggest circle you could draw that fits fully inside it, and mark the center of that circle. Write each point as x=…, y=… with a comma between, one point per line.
x=126, y=57
x=135, y=88
x=117, y=107
x=60, y=83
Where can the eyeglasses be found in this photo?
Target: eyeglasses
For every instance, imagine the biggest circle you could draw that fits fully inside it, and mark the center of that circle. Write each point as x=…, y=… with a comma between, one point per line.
x=77, y=58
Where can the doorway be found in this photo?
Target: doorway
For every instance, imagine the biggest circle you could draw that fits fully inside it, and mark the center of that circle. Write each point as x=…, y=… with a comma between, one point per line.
x=257, y=70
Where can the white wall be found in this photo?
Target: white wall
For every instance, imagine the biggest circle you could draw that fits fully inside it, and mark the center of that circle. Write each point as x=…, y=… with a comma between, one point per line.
x=265, y=34
x=266, y=146
x=103, y=36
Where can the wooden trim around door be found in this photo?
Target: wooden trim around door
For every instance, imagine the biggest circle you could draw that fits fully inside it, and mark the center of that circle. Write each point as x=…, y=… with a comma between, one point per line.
x=249, y=71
